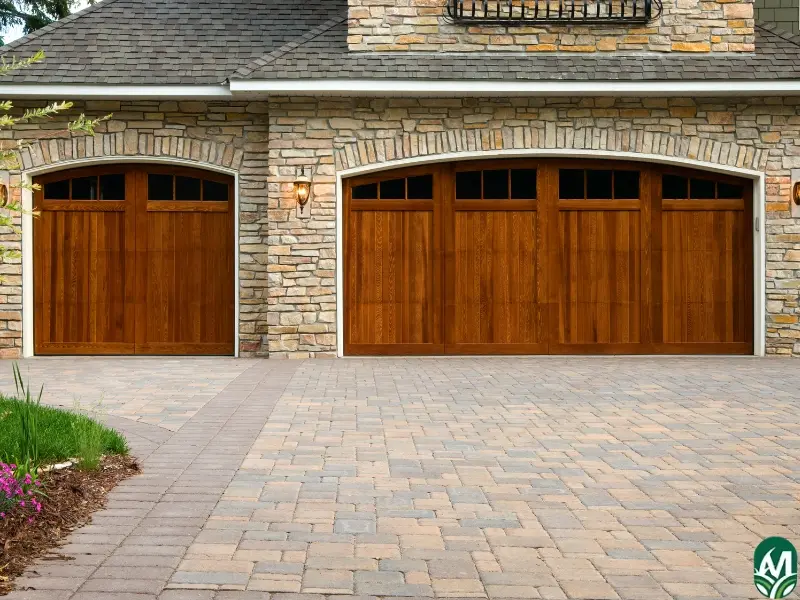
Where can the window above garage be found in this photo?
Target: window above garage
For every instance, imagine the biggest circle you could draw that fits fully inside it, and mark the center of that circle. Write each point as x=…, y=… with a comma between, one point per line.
x=531, y=12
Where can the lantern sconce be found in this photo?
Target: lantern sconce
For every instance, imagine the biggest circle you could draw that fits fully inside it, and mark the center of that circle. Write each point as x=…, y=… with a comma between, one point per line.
x=5, y=188
x=302, y=194
x=794, y=201
x=796, y=193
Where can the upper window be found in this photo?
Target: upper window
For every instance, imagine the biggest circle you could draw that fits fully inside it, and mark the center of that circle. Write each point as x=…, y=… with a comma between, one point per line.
x=526, y=12
x=93, y=187
x=418, y=187
x=678, y=187
x=166, y=187
x=496, y=184
x=598, y=184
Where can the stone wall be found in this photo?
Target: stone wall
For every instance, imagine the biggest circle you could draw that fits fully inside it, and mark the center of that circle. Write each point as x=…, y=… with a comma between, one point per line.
x=783, y=13
x=421, y=25
x=329, y=135
x=206, y=134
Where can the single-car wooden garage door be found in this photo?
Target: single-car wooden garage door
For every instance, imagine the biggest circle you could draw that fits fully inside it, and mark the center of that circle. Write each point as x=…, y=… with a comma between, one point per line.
x=548, y=256
x=134, y=259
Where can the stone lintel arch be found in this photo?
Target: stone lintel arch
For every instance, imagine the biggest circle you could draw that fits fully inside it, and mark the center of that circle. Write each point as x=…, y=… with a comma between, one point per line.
x=129, y=145
x=631, y=144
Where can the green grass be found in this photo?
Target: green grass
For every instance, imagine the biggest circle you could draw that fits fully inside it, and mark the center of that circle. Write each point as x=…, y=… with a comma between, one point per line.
x=57, y=437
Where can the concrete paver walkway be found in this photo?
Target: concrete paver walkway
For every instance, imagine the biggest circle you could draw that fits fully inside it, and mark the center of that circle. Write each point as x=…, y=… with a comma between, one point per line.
x=585, y=478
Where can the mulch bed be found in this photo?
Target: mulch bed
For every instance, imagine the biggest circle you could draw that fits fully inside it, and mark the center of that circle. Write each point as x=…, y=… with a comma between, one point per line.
x=72, y=497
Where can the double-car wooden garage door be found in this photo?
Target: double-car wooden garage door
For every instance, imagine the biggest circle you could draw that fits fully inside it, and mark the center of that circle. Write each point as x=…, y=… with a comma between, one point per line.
x=548, y=256
x=134, y=259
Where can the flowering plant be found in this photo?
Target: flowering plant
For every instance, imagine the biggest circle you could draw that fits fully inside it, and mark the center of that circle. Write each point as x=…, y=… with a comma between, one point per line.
x=19, y=492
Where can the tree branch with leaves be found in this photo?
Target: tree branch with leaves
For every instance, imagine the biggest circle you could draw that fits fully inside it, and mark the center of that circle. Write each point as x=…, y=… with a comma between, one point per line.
x=11, y=208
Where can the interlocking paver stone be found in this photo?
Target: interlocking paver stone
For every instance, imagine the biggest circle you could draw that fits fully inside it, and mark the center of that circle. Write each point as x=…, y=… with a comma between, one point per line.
x=579, y=478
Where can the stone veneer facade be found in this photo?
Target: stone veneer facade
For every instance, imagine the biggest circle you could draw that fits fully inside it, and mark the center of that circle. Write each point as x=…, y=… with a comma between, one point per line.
x=287, y=264
x=421, y=25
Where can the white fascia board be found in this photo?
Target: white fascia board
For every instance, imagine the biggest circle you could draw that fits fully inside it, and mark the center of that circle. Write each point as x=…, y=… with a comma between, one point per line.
x=79, y=92
x=400, y=87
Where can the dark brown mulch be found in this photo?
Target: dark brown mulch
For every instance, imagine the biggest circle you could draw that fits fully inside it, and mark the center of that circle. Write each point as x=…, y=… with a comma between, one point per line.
x=72, y=497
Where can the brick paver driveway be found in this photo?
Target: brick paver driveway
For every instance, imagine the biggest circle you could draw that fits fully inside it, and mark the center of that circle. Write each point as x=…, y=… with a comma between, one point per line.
x=491, y=478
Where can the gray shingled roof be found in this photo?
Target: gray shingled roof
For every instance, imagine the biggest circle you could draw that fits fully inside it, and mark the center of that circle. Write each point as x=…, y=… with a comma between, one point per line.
x=325, y=56
x=163, y=42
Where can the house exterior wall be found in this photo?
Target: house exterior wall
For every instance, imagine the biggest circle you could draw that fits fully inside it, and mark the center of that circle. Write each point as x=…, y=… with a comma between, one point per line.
x=421, y=25
x=205, y=134
x=327, y=136
x=783, y=13
x=288, y=263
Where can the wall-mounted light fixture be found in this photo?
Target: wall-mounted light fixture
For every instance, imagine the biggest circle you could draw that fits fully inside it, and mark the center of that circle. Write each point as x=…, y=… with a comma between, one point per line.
x=796, y=193
x=794, y=200
x=5, y=188
x=302, y=194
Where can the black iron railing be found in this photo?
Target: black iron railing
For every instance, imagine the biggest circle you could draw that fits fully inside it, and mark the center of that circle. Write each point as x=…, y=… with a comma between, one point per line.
x=525, y=12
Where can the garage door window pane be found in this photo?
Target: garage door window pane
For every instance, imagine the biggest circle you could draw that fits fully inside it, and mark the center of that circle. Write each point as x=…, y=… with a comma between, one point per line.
x=729, y=191
x=368, y=191
x=159, y=187
x=674, y=187
x=420, y=188
x=112, y=187
x=84, y=188
x=468, y=185
x=570, y=184
x=393, y=189
x=57, y=190
x=626, y=185
x=213, y=191
x=598, y=185
x=702, y=189
x=523, y=184
x=495, y=184
x=187, y=188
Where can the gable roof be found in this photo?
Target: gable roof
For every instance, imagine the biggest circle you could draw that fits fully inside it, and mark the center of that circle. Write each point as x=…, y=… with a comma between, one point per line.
x=212, y=42
x=325, y=56
x=164, y=42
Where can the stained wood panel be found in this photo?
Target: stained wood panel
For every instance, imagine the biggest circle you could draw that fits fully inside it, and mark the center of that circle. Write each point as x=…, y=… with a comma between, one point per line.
x=83, y=283
x=495, y=300
x=391, y=280
x=599, y=277
x=116, y=273
x=705, y=282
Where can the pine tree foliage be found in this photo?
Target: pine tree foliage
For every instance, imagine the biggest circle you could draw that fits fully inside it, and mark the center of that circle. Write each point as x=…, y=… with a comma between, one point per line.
x=34, y=14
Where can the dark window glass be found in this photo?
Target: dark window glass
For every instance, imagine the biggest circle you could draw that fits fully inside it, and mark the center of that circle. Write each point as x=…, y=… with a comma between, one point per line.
x=468, y=185
x=368, y=191
x=159, y=187
x=626, y=185
x=702, y=189
x=674, y=187
x=187, y=188
x=57, y=190
x=420, y=188
x=729, y=191
x=393, y=189
x=495, y=184
x=598, y=184
x=112, y=187
x=523, y=184
x=213, y=191
x=570, y=184
x=84, y=188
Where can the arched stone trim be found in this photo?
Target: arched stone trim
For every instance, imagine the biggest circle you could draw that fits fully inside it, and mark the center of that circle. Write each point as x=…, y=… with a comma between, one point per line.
x=412, y=145
x=126, y=144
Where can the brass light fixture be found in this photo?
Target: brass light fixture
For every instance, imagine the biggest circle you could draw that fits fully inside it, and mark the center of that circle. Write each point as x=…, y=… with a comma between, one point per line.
x=3, y=195
x=796, y=193
x=302, y=192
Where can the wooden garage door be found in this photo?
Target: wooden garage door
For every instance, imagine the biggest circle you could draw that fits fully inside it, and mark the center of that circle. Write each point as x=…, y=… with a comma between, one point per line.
x=134, y=260
x=548, y=256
